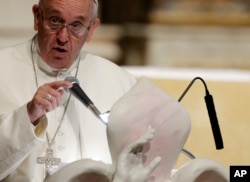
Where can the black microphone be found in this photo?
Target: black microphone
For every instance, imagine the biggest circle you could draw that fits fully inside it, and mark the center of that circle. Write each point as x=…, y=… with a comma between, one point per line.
x=77, y=91
x=211, y=112
x=214, y=121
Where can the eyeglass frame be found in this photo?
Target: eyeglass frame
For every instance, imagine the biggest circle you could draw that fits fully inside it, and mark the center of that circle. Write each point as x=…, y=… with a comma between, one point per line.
x=66, y=25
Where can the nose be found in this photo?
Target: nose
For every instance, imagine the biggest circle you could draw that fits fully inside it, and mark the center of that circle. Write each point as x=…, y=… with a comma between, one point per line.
x=62, y=35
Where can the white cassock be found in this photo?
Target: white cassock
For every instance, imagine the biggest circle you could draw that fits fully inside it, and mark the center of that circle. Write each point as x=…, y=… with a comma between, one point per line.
x=81, y=135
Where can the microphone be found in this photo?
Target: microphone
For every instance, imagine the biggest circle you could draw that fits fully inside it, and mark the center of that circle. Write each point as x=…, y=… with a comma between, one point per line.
x=83, y=98
x=214, y=121
x=77, y=91
x=211, y=112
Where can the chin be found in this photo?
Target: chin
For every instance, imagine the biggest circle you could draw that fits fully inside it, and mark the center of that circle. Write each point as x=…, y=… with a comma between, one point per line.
x=60, y=62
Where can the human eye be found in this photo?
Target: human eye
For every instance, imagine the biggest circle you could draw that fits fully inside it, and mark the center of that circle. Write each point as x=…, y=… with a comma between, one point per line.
x=76, y=26
x=55, y=20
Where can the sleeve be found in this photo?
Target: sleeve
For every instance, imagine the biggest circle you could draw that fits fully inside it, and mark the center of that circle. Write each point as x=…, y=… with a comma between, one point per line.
x=18, y=138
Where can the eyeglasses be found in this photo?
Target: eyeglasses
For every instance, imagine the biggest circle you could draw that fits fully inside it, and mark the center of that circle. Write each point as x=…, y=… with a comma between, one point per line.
x=55, y=24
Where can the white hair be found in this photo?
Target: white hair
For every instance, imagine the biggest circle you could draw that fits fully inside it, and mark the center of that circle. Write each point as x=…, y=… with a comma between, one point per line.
x=95, y=8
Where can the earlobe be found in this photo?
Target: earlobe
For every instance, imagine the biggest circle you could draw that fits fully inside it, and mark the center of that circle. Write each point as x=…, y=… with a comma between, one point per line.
x=36, y=13
x=95, y=23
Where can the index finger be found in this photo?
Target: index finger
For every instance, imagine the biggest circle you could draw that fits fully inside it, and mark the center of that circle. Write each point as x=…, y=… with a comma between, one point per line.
x=58, y=84
x=153, y=164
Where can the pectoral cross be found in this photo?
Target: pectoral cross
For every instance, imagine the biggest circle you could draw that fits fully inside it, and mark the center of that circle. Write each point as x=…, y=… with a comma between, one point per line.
x=49, y=161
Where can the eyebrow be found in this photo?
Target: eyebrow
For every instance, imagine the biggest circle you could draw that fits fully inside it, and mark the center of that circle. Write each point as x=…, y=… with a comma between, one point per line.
x=54, y=11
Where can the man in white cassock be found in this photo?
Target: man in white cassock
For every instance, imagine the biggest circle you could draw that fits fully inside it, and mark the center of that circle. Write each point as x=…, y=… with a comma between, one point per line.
x=42, y=127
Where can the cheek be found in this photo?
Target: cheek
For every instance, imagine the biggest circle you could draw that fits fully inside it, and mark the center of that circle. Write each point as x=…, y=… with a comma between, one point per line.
x=77, y=45
x=45, y=42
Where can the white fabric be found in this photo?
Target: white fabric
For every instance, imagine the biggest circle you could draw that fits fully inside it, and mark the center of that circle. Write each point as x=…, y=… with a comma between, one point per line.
x=148, y=105
x=82, y=135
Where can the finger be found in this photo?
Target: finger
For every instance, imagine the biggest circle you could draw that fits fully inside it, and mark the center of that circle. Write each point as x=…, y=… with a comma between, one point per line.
x=46, y=98
x=153, y=164
x=48, y=107
x=149, y=134
x=60, y=97
x=43, y=104
x=55, y=92
x=56, y=98
x=58, y=84
x=46, y=103
x=53, y=101
x=139, y=143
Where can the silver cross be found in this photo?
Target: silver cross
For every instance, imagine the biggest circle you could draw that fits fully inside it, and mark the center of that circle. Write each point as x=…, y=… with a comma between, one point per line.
x=49, y=160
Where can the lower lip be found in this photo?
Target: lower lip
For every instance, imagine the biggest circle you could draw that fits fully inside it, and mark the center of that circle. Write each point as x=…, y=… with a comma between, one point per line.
x=60, y=54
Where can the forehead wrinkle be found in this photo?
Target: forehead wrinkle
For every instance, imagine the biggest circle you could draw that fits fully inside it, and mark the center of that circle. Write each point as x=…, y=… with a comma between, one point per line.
x=82, y=9
x=58, y=13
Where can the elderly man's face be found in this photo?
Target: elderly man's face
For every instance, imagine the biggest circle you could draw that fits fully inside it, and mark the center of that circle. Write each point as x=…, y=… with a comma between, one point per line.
x=63, y=27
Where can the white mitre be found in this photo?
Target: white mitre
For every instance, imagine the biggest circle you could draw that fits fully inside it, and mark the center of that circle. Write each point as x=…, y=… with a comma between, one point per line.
x=147, y=105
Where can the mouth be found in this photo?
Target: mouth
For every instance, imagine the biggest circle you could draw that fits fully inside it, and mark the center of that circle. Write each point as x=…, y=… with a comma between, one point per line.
x=61, y=50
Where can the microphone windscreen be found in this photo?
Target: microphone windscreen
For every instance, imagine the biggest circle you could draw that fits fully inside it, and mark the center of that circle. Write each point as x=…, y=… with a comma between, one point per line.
x=214, y=121
x=72, y=79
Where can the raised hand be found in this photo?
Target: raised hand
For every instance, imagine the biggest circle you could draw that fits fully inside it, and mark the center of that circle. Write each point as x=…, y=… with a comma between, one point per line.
x=47, y=98
x=130, y=167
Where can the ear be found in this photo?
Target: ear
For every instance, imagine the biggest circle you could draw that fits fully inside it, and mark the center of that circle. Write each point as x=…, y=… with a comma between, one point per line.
x=95, y=23
x=36, y=14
